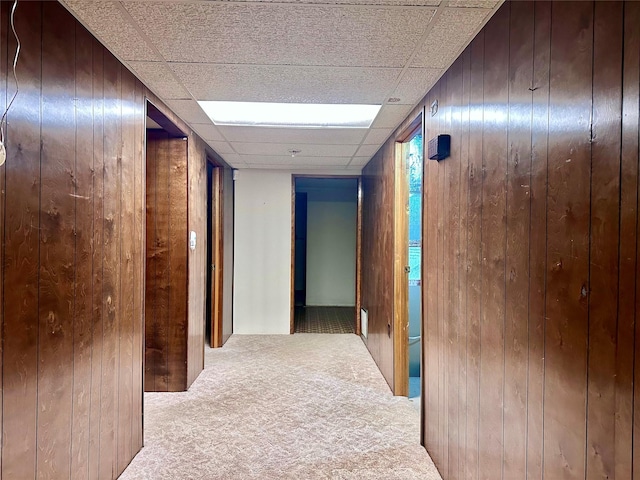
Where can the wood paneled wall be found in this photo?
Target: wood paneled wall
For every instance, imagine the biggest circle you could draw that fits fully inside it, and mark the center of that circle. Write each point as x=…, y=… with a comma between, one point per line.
x=166, y=323
x=531, y=242
x=378, y=199
x=72, y=216
x=531, y=348
x=72, y=250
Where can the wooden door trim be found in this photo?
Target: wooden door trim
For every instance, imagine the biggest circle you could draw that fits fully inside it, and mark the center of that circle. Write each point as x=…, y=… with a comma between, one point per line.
x=400, y=329
x=358, y=286
x=217, y=258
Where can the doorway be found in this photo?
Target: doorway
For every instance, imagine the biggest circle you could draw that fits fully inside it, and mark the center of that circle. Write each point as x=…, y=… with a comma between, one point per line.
x=215, y=259
x=325, y=278
x=408, y=267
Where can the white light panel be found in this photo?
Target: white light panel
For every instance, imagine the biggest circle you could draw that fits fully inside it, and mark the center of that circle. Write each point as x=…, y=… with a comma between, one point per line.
x=310, y=115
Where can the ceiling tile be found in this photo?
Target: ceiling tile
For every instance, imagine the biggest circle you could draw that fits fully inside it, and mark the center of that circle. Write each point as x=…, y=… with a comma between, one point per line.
x=221, y=148
x=280, y=34
x=189, y=111
x=106, y=21
x=234, y=160
x=391, y=115
x=330, y=136
x=452, y=31
x=419, y=3
x=377, y=136
x=367, y=150
x=159, y=78
x=208, y=132
x=290, y=84
x=297, y=161
x=282, y=149
x=474, y=3
x=359, y=161
x=415, y=83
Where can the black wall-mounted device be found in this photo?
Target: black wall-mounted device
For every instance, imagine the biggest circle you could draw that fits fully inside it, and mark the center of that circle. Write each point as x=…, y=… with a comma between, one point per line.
x=439, y=147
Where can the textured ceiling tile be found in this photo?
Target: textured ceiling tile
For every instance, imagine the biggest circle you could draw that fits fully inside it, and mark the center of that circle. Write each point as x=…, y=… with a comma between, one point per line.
x=221, y=148
x=415, y=83
x=359, y=161
x=367, y=150
x=452, y=31
x=189, y=111
x=474, y=3
x=391, y=115
x=106, y=21
x=417, y=3
x=295, y=161
x=292, y=84
x=278, y=34
x=159, y=78
x=208, y=132
x=377, y=136
x=234, y=160
x=330, y=136
x=282, y=149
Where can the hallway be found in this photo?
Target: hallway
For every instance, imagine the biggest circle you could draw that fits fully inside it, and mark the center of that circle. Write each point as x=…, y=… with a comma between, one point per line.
x=305, y=406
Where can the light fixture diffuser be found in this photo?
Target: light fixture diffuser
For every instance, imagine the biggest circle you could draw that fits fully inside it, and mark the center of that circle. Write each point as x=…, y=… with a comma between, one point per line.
x=305, y=115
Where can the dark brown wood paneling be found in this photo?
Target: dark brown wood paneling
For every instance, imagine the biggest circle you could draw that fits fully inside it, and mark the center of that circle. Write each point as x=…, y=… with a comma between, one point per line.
x=57, y=246
x=604, y=253
x=72, y=252
x=474, y=254
x=176, y=281
x=530, y=248
x=538, y=238
x=377, y=256
x=97, y=260
x=494, y=170
x=517, y=246
x=83, y=285
x=628, y=376
x=21, y=257
x=568, y=240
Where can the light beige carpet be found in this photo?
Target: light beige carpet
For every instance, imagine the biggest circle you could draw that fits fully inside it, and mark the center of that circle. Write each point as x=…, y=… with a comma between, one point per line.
x=303, y=406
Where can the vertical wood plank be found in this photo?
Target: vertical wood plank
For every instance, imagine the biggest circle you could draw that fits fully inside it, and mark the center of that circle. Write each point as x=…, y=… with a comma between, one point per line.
x=454, y=92
x=568, y=240
x=474, y=239
x=83, y=338
x=57, y=244
x=605, y=224
x=151, y=275
x=517, y=247
x=110, y=281
x=163, y=279
x=127, y=245
x=21, y=243
x=97, y=260
x=464, y=259
x=628, y=260
x=538, y=238
x=177, y=265
x=139, y=264
x=628, y=415
x=493, y=245
x=3, y=103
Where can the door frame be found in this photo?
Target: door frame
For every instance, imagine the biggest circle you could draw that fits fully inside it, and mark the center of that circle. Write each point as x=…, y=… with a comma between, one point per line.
x=217, y=255
x=358, y=246
x=401, y=260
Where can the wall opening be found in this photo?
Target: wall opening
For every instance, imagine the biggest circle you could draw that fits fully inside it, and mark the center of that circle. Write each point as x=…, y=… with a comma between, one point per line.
x=325, y=244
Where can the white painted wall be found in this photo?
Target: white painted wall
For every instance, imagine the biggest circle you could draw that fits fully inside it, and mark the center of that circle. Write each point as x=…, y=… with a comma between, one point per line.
x=262, y=255
x=331, y=246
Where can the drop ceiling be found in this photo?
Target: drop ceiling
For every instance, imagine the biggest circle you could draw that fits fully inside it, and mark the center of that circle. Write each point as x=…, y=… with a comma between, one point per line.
x=302, y=51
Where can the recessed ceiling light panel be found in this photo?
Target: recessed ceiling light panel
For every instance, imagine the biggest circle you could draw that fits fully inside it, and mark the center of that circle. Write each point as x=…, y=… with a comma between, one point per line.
x=305, y=115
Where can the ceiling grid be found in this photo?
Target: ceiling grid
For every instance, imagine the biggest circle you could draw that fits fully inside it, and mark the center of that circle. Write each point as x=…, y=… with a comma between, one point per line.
x=288, y=51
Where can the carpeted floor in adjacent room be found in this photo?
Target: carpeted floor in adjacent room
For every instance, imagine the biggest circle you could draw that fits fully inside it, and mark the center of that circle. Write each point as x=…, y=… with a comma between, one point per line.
x=303, y=406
